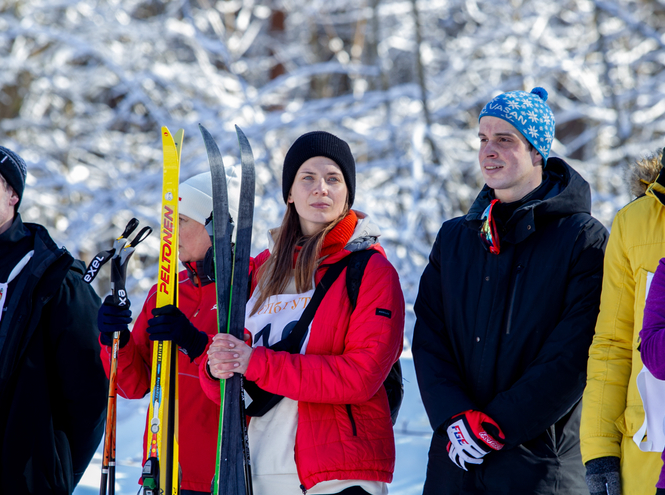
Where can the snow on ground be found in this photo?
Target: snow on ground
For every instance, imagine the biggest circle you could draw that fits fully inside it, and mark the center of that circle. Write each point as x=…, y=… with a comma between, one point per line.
x=412, y=437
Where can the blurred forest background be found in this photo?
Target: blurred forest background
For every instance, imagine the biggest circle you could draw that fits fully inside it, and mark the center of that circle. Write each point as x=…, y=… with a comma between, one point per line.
x=85, y=86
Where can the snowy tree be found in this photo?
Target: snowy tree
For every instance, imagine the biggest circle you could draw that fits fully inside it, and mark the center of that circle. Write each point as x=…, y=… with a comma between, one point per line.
x=86, y=85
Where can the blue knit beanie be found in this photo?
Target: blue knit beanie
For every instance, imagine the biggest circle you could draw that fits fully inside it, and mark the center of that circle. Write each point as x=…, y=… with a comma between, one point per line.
x=530, y=115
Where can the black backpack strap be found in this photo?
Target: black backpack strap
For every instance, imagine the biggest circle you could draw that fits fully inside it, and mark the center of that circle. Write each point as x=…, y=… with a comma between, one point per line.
x=355, y=272
x=263, y=401
x=355, y=263
x=393, y=382
x=293, y=341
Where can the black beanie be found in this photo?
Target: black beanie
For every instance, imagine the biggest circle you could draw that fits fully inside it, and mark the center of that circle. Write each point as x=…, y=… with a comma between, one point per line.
x=14, y=170
x=319, y=143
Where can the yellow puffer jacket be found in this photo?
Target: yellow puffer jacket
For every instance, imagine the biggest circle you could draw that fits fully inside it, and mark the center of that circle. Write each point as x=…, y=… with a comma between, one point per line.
x=612, y=410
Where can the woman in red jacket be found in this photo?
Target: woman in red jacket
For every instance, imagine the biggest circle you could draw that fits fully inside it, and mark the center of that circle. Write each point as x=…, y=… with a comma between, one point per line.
x=332, y=432
x=190, y=326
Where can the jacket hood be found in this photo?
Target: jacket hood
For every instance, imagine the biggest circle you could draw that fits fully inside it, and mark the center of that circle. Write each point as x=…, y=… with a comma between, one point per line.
x=46, y=250
x=365, y=235
x=568, y=193
x=643, y=173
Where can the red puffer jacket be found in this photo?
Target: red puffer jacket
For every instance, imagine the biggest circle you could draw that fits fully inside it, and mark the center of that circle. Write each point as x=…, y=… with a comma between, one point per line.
x=198, y=415
x=344, y=427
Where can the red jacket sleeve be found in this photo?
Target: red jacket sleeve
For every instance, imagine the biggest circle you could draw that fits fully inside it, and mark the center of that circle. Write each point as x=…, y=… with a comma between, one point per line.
x=371, y=344
x=209, y=384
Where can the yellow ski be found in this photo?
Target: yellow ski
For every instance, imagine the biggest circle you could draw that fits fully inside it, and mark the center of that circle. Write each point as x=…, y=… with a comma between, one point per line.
x=161, y=473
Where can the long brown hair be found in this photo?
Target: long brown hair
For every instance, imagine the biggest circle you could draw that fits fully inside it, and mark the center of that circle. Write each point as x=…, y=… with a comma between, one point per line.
x=275, y=274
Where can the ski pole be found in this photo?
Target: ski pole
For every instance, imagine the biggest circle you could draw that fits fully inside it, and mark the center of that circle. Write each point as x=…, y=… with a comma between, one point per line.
x=119, y=255
x=118, y=280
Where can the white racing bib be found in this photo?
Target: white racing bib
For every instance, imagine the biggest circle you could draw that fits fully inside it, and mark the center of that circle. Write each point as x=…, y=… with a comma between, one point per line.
x=276, y=318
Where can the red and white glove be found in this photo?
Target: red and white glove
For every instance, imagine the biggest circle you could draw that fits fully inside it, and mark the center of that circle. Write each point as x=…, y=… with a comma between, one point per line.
x=472, y=436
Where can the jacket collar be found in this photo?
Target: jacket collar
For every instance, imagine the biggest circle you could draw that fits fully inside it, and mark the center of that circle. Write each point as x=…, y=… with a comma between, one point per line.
x=197, y=274
x=568, y=193
x=16, y=231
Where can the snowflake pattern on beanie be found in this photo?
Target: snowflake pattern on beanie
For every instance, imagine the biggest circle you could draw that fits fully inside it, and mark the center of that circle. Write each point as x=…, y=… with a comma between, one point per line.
x=528, y=113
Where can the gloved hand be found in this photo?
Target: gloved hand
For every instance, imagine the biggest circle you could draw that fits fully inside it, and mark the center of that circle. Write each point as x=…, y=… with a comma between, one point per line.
x=472, y=436
x=112, y=318
x=602, y=476
x=169, y=323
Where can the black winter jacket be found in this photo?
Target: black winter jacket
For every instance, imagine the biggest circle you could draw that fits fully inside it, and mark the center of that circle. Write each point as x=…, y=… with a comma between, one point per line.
x=53, y=389
x=509, y=334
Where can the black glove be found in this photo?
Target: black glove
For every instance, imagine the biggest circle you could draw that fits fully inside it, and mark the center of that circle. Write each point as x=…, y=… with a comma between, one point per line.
x=112, y=318
x=602, y=476
x=169, y=323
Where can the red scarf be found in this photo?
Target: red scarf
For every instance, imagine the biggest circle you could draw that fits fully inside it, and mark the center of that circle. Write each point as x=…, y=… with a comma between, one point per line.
x=338, y=237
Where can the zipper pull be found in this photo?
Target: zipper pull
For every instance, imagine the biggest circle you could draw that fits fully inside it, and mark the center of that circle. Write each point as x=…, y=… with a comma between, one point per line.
x=304, y=490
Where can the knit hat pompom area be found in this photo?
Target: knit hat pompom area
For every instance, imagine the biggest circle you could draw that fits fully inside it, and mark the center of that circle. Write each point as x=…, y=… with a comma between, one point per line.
x=542, y=92
x=528, y=113
x=14, y=170
x=319, y=143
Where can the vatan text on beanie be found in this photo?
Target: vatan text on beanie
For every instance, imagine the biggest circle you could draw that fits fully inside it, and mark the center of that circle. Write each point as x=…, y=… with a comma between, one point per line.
x=528, y=113
x=14, y=170
x=319, y=143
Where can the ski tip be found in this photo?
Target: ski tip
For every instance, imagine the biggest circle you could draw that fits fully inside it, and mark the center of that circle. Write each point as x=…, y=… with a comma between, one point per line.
x=165, y=131
x=242, y=139
x=240, y=133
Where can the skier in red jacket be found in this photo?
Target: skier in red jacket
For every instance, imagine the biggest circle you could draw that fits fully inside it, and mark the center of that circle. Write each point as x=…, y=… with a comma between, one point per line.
x=189, y=326
x=332, y=431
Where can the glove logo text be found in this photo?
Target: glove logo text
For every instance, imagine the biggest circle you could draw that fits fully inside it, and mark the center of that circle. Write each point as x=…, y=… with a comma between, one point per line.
x=459, y=435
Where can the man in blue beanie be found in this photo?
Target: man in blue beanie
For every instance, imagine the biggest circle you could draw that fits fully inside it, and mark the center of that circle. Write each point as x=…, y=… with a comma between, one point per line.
x=53, y=389
x=505, y=315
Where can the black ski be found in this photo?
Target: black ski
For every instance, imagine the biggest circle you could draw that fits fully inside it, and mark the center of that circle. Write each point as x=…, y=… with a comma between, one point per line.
x=241, y=279
x=233, y=471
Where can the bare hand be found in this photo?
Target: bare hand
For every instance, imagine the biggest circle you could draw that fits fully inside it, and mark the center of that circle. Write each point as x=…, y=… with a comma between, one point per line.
x=228, y=355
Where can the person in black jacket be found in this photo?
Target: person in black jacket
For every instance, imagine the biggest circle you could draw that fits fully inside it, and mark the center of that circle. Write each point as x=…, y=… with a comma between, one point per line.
x=505, y=315
x=53, y=389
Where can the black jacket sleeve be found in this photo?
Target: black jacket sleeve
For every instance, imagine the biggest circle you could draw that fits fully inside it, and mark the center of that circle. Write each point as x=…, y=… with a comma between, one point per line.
x=80, y=410
x=554, y=381
x=439, y=377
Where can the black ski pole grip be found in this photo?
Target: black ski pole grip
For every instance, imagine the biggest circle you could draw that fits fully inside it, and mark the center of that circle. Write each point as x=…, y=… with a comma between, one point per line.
x=131, y=227
x=141, y=236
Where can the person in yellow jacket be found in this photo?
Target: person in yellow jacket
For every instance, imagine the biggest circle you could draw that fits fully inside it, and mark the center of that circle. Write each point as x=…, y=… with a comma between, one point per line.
x=612, y=411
